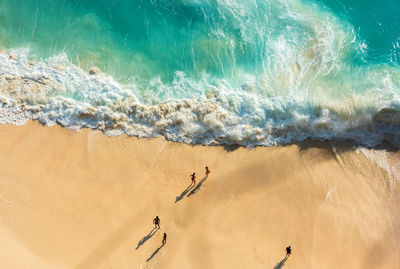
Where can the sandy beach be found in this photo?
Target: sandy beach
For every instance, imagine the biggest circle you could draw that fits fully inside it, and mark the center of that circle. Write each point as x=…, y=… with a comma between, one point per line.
x=81, y=200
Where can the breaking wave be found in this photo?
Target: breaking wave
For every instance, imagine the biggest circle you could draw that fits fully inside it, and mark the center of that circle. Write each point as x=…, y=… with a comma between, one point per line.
x=245, y=72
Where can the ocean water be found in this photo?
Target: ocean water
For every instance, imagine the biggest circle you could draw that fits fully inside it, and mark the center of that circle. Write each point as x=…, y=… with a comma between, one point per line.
x=248, y=72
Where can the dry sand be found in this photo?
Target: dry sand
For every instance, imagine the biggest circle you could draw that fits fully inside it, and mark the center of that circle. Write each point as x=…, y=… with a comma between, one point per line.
x=80, y=199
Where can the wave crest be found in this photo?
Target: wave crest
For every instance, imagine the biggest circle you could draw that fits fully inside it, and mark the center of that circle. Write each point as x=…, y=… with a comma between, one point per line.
x=56, y=91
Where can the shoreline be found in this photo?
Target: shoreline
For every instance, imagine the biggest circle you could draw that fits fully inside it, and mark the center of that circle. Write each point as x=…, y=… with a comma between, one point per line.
x=384, y=145
x=81, y=199
x=45, y=91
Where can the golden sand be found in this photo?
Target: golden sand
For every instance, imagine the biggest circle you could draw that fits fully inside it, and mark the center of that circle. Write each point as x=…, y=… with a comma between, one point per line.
x=80, y=199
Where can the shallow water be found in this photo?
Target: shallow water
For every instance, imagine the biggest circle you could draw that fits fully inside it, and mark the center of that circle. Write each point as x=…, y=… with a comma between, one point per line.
x=212, y=72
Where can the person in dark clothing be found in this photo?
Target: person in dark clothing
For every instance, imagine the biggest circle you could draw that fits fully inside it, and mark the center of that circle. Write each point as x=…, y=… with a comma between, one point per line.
x=164, y=240
x=156, y=222
x=288, y=251
x=207, y=170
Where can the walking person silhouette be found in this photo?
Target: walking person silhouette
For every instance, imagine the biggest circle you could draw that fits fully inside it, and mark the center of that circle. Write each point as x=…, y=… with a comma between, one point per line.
x=164, y=240
x=207, y=170
x=193, y=178
x=288, y=251
x=156, y=222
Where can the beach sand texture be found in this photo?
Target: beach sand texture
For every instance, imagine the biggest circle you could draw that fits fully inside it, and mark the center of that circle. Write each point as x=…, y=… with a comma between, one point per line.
x=82, y=200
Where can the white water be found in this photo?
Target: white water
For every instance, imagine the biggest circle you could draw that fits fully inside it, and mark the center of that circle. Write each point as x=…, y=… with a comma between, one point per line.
x=56, y=91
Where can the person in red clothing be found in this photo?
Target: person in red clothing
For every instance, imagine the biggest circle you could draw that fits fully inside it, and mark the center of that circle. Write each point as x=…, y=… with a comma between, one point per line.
x=193, y=177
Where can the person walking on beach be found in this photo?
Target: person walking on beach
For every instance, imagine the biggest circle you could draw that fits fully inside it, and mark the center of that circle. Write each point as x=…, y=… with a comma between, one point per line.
x=207, y=170
x=193, y=177
x=164, y=240
x=288, y=251
x=156, y=222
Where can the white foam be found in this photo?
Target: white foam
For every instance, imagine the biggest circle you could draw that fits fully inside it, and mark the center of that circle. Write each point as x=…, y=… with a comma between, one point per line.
x=306, y=90
x=12, y=115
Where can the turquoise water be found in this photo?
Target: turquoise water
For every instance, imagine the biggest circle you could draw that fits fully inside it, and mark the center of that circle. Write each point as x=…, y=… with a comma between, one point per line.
x=260, y=72
x=375, y=22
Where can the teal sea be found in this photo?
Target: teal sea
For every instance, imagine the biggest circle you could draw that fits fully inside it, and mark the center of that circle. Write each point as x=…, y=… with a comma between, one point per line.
x=247, y=72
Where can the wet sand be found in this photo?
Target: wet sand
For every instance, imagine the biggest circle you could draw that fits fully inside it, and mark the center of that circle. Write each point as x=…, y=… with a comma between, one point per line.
x=80, y=199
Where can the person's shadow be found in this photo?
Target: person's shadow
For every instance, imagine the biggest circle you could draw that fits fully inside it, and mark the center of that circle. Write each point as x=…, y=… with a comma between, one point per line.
x=180, y=197
x=281, y=263
x=196, y=189
x=147, y=237
x=154, y=253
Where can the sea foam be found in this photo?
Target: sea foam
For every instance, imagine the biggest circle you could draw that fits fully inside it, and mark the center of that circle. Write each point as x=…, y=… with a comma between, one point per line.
x=235, y=72
x=56, y=91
